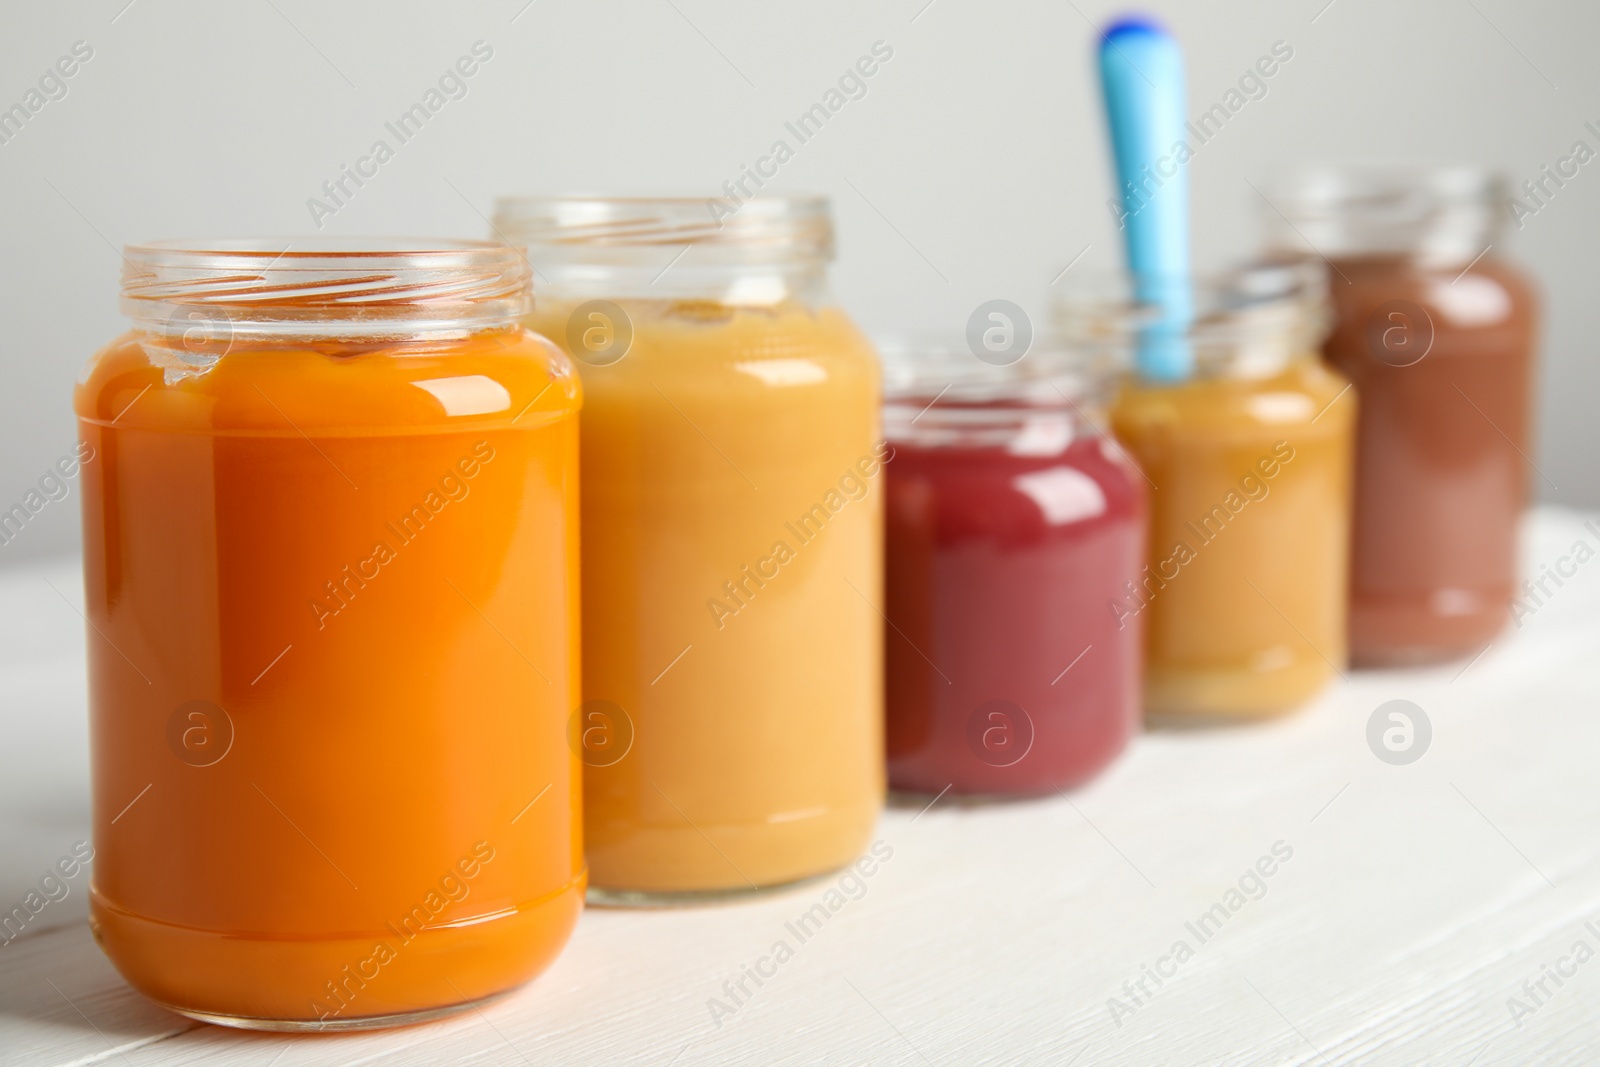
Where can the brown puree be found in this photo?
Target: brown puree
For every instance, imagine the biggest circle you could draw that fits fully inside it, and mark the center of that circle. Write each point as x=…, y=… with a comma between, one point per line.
x=1442, y=361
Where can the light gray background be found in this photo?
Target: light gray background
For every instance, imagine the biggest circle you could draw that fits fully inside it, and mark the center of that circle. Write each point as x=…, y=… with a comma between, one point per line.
x=974, y=168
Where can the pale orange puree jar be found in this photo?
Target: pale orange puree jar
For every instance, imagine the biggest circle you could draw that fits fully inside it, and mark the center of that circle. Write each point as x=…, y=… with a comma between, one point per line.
x=1248, y=465
x=330, y=569
x=732, y=541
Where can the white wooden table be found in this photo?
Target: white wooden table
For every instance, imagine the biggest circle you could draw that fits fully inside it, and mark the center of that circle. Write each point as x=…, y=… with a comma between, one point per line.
x=1418, y=899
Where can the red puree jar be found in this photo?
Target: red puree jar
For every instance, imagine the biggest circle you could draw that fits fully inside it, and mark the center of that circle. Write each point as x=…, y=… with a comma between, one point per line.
x=1437, y=333
x=1010, y=525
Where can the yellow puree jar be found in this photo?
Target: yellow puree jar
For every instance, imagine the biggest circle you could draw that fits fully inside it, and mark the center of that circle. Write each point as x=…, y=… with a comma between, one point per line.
x=1249, y=463
x=731, y=489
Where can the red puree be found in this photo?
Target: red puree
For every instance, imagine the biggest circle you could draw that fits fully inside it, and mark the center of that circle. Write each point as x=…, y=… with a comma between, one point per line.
x=1005, y=670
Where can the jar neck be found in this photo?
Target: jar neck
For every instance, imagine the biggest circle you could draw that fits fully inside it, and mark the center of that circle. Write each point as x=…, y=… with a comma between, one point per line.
x=940, y=394
x=650, y=277
x=206, y=295
x=769, y=251
x=1016, y=429
x=1438, y=216
x=1253, y=322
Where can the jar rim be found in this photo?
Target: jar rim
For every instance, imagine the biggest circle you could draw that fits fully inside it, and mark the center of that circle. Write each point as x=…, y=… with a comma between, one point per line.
x=1332, y=183
x=326, y=249
x=322, y=286
x=1442, y=212
x=1248, y=321
x=800, y=225
x=939, y=370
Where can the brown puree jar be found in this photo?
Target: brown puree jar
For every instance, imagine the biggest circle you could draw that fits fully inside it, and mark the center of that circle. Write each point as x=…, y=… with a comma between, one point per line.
x=1437, y=334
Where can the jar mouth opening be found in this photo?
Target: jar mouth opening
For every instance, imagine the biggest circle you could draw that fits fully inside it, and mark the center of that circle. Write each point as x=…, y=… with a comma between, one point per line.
x=799, y=226
x=939, y=393
x=326, y=250
x=1357, y=180
x=1248, y=321
x=363, y=287
x=1438, y=212
x=943, y=373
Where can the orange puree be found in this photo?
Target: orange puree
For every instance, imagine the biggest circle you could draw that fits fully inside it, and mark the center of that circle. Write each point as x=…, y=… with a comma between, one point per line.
x=333, y=594
x=1244, y=595
x=732, y=573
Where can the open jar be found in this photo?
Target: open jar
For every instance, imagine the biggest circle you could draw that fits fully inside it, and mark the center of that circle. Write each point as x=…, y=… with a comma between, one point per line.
x=1437, y=331
x=732, y=565
x=1012, y=525
x=1243, y=594
x=330, y=573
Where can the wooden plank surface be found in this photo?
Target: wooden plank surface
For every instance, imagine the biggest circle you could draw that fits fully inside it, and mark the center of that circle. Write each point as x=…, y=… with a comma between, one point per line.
x=1406, y=905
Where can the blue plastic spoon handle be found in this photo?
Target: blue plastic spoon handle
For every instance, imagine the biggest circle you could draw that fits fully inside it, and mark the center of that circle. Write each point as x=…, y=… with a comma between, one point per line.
x=1141, y=71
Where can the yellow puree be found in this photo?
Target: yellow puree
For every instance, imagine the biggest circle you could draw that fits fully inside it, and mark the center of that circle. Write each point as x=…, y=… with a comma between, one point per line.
x=1244, y=598
x=742, y=645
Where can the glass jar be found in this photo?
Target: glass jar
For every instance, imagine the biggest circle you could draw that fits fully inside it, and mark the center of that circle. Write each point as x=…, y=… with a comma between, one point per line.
x=1011, y=523
x=732, y=554
x=1243, y=595
x=330, y=571
x=1438, y=334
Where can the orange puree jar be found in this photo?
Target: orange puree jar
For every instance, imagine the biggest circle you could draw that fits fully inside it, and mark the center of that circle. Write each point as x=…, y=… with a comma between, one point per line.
x=330, y=569
x=732, y=544
x=1249, y=461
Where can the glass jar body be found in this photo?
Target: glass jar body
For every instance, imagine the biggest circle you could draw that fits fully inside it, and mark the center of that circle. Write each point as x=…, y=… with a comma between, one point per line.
x=1442, y=356
x=1006, y=674
x=1243, y=596
x=332, y=591
x=1438, y=335
x=732, y=564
